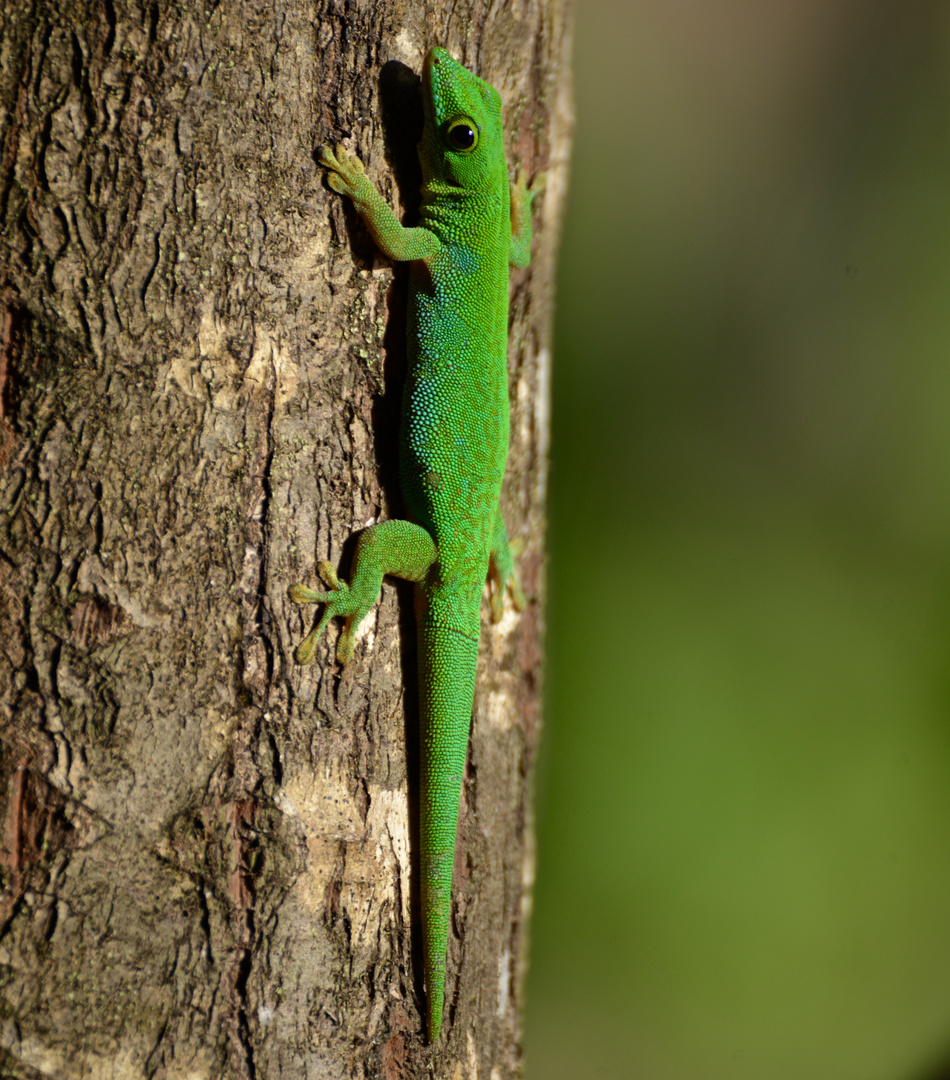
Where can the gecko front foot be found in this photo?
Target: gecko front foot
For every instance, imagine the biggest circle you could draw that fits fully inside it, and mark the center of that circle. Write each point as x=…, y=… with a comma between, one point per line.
x=346, y=174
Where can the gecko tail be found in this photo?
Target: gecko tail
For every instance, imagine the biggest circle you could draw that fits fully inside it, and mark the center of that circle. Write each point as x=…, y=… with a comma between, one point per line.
x=447, y=662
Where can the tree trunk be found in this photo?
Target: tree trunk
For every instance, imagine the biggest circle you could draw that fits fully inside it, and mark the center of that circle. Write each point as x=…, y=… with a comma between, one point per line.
x=210, y=852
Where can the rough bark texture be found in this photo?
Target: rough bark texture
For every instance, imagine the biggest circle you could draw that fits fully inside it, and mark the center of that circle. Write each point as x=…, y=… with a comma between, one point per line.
x=208, y=860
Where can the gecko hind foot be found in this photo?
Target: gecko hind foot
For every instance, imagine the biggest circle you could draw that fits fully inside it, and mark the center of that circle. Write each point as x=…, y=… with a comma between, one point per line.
x=502, y=583
x=337, y=602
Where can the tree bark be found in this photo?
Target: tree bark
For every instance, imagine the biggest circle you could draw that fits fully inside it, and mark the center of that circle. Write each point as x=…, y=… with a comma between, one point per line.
x=209, y=860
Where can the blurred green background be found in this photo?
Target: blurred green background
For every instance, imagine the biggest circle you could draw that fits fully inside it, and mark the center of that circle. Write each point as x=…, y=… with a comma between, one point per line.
x=744, y=794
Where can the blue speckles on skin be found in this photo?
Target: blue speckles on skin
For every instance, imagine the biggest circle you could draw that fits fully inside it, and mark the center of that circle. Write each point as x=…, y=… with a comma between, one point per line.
x=466, y=260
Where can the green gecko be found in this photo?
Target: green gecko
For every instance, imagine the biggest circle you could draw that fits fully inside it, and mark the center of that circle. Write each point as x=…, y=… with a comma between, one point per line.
x=453, y=445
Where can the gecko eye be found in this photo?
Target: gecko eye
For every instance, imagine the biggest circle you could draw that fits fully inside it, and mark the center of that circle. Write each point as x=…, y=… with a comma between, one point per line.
x=462, y=134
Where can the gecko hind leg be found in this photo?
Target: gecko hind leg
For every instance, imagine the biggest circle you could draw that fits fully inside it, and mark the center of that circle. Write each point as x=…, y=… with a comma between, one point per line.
x=501, y=571
x=401, y=548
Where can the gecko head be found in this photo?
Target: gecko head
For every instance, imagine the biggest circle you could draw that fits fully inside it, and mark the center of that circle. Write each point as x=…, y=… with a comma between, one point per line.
x=462, y=142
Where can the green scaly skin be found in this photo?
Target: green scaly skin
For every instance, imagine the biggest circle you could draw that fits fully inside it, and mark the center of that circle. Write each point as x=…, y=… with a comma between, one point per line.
x=453, y=444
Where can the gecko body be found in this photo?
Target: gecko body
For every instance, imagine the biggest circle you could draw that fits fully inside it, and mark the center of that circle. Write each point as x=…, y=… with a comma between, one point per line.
x=453, y=445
